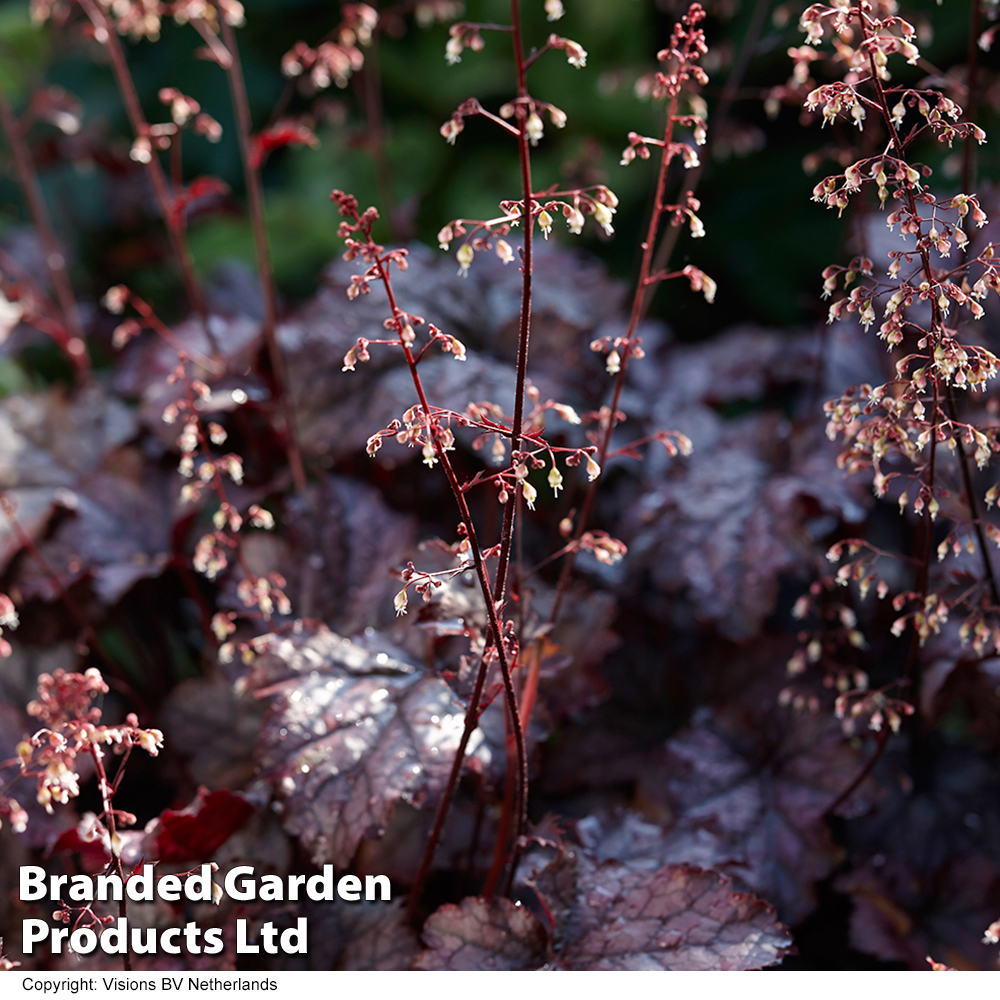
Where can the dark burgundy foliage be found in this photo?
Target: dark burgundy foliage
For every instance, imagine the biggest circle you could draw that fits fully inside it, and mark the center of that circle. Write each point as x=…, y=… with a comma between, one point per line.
x=354, y=729
x=703, y=746
x=683, y=831
x=199, y=829
x=480, y=934
x=609, y=915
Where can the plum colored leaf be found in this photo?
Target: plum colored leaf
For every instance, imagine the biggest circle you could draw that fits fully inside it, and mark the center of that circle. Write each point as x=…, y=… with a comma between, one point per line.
x=365, y=936
x=47, y=442
x=720, y=527
x=627, y=837
x=608, y=916
x=343, y=540
x=115, y=532
x=214, y=729
x=902, y=913
x=197, y=831
x=479, y=934
x=380, y=939
x=353, y=730
x=572, y=299
x=926, y=875
x=759, y=784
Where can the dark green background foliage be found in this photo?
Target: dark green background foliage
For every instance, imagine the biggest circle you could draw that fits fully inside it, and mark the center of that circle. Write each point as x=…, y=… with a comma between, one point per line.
x=766, y=240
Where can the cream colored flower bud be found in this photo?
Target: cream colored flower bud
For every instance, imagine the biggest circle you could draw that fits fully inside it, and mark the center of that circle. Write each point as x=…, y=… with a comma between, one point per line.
x=555, y=480
x=465, y=254
x=534, y=128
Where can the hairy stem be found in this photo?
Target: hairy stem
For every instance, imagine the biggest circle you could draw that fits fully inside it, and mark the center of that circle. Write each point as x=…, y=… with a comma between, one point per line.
x=493, y=609
x=692, y=178
x=369, y=88
x=109, y=821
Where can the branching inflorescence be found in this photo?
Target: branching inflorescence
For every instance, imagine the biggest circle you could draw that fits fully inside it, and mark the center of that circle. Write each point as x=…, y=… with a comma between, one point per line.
x=71, y=731
x=907, y=433
x=516, y=436
x=519, y=444
x=680, y=72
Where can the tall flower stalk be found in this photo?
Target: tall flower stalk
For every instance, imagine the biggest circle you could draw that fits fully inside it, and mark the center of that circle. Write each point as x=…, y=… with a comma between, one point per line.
x=908, y=433
x=680, y=67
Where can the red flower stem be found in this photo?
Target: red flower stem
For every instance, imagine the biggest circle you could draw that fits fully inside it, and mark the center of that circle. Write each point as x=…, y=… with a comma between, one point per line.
x=506, y=532
x=255, y=203
x=520, y=802
x=107, y=794
x=529, y=693
x=161, y=189
x=495, y=636
x=730, y=92
x=55, y=261
x=369, y=90
x=497, y=866
x=635, y=317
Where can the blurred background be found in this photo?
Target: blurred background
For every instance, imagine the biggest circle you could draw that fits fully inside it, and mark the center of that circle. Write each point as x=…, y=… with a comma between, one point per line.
x=766, y=241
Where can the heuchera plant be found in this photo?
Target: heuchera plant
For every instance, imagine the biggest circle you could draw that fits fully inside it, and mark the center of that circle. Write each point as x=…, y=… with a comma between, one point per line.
x=519, y=434
x=354, y=731
x=919, y=435
x=71, y=731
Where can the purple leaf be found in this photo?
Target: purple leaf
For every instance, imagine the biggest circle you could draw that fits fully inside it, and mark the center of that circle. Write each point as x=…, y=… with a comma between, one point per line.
x=606, y=915
x=480, y=934
x=679, y=918
x=759, y=787
x=47, y=442
x=352, y=731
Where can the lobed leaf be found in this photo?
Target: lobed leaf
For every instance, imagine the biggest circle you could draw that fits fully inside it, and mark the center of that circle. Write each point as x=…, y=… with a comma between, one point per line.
x=606, y=915
x=353, y=730
x=480, y=934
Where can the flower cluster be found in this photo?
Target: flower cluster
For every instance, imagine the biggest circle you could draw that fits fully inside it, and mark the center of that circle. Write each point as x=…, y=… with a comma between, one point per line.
x=479, y=235
x=638, y=145
x=185, y=112
x=337, y=58
x=680, y=58
x=909, y=433
x=72, y=726
x=201, y=466
x=140, y=19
